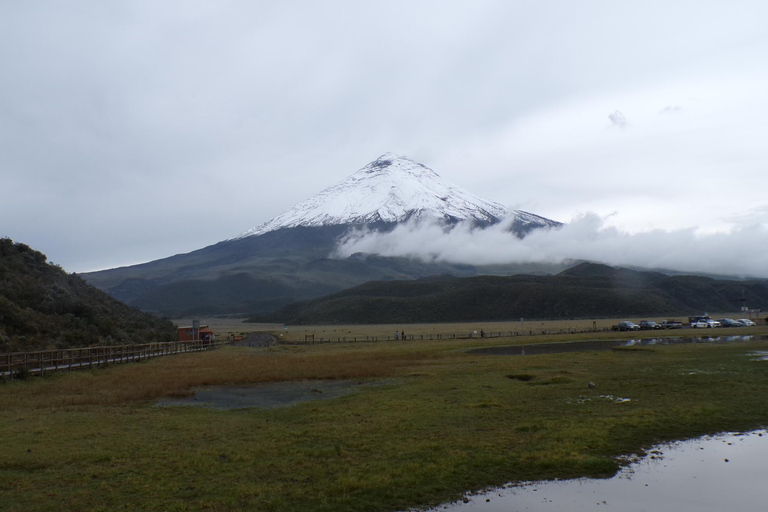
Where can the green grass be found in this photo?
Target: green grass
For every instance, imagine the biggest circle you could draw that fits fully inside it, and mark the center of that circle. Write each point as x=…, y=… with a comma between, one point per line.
x=447, y=423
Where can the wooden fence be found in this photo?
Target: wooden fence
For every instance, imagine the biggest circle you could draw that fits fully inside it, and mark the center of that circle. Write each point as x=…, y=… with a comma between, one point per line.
x=69, y=359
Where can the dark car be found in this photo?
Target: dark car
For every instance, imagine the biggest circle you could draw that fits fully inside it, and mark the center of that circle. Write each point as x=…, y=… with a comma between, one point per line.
x=670, y=324
x=730, y=322
x=626, y=326
x=648, y=325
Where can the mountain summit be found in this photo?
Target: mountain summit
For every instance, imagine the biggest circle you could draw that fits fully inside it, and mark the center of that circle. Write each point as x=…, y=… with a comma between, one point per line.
x=289, y=258
x=393, y=189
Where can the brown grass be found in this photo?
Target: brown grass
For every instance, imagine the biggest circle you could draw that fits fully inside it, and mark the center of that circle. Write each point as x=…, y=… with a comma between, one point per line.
x=295, y=332
x=449, y=423
x=224, y=327
x=176, y=375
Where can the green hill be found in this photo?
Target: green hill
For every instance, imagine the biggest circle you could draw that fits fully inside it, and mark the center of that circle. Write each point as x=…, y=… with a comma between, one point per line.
x=585, y=291
x=42, y=306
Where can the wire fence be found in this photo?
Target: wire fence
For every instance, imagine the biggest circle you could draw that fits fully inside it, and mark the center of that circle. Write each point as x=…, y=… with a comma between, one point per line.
x=311, y=339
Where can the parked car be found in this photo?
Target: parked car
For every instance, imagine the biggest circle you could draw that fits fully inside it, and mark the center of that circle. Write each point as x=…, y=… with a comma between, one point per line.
x=705, y=323
x=626, y=326
x=648, y=325
x=746, y=322
x=670, y=324
x=730, y=322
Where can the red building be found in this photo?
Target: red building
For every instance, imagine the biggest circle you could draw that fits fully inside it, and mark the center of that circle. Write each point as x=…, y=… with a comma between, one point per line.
x=192, y=333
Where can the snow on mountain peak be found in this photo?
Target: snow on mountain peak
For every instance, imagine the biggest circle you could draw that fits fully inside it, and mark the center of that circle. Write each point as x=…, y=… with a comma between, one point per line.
x=392, y=188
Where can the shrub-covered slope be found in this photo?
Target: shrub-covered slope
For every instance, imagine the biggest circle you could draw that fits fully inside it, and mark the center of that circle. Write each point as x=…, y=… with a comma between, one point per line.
x=585, y=291
x=41, y=307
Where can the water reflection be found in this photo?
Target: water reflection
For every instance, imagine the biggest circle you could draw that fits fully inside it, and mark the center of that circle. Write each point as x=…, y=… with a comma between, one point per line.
x=582, y=346
x=709, y=474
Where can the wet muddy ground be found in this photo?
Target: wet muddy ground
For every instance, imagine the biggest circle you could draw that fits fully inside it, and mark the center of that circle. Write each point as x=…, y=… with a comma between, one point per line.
x=268, y=395
x=710, y=474
x=583, y=346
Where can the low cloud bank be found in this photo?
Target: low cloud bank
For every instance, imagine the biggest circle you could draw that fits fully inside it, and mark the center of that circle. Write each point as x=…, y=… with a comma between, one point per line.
x=587, y=237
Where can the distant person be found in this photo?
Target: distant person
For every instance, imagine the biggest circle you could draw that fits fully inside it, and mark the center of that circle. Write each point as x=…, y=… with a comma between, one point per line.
x=397, y=336
x=482, y=333
x=402, y=335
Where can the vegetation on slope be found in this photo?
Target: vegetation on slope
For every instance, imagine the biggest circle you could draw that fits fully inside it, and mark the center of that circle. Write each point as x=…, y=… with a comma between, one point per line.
x=42, y=306
x=585, y=291
x=259, y=274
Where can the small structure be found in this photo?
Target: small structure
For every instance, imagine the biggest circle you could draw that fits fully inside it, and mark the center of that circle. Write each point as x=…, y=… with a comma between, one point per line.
x=195, y=332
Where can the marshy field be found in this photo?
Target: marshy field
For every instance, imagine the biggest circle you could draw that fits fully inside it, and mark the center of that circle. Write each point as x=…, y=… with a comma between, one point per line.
x=423, y=422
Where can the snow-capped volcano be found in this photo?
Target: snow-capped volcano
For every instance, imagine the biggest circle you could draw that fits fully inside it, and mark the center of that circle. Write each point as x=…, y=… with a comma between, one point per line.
x=391, y=189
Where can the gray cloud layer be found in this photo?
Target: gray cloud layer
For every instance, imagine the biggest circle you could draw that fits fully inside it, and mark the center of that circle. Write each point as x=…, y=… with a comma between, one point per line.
x=740, y=253
x=130, y=131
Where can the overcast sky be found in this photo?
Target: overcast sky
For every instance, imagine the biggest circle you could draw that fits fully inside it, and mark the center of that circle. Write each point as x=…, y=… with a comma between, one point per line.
x=134, y=130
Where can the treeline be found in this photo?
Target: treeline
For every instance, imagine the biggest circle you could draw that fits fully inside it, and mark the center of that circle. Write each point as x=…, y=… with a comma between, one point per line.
x=44, y=307
x=586, y=291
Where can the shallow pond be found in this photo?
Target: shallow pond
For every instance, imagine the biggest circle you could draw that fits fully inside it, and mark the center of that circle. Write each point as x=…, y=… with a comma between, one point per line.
x=268, y=395
x=710, y=474
x=582, y=346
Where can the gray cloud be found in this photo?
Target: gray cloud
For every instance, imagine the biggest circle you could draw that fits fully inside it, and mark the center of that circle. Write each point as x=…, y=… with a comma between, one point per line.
x=587, y=237
x=671, y=109
x=618, y=119
x=132, y=131
x=751, y=216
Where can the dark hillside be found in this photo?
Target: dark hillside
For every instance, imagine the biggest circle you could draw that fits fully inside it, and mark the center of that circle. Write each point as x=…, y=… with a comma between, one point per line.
x=586, y=291
x=259, y=274
x=41, y=307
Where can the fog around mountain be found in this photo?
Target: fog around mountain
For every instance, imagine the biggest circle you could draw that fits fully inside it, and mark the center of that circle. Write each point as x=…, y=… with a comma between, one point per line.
x=740, y=253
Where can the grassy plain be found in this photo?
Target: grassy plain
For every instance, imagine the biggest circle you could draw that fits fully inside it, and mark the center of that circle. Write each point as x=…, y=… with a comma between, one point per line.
x=445, y=423
x=227, y=326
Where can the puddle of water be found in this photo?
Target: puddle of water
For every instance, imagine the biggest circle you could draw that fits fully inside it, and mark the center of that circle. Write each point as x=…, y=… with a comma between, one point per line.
x=710, y=474
x=583, y=346
x=267, y=395
x=609, y=398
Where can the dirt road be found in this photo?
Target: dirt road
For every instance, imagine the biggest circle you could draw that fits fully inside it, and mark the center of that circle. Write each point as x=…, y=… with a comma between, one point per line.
x=257, y=339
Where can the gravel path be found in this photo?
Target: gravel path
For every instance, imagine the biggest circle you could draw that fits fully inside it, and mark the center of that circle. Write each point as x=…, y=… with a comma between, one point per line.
x=257, y=339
